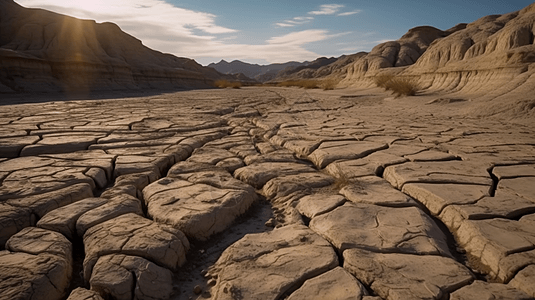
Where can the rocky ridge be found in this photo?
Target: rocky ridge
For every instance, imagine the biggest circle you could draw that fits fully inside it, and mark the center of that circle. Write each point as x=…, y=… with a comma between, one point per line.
x=161, y=200
x=41, y=50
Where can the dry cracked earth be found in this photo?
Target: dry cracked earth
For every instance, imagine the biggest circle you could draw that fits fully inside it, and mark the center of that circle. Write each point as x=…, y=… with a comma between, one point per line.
x=264, y=193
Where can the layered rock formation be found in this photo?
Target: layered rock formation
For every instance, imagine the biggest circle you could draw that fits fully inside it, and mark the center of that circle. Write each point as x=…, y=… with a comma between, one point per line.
x=490, y=60
x=45, y=51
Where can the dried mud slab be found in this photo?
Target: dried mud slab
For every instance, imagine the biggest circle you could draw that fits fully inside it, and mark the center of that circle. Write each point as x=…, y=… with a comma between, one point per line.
x=395, y=276
x=134, y=235
x=328, y=152
x=484, y=290
x=125, y=277
x=37, y=264
x=84, y=294
x=377, y=191
x=381, y=229
x=198, y=209
x=268, y=265
x=337, y=284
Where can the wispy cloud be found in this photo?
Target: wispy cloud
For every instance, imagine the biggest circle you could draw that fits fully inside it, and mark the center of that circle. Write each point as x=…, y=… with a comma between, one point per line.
x=295, y=21
x=327, y=9
x=187, y=33
x=349, y=13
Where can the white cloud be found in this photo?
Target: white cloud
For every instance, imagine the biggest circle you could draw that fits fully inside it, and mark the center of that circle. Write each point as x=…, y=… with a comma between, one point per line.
x=327, y=9
x=349, y=13
x=187, y=33
x=295, y=21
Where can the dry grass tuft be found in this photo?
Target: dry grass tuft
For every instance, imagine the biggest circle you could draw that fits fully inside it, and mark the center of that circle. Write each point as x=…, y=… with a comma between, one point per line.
x=307, y=84
x=400, y=86
x=227, y=84
x=329, y=84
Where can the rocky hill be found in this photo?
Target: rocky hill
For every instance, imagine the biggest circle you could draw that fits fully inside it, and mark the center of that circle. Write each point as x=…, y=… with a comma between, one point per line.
x=491, y=60
x=45, y=51
x=321, y=68
x=258, y=72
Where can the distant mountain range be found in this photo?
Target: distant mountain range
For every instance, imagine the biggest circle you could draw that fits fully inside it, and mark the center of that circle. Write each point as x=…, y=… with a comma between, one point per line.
x=260, y=73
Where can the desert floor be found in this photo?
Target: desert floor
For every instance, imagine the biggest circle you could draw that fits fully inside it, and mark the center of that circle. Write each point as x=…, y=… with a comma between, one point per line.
x=265, y=193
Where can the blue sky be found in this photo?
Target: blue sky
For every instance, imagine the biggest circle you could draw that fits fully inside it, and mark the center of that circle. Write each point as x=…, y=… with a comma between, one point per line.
x=268, y=31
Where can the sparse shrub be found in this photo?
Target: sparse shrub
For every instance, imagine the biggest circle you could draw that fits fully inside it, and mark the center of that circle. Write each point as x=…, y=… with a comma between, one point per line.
x=401, y=86
x=227, y=84
x=329, y=84
x=382, y=80
x=307, y=84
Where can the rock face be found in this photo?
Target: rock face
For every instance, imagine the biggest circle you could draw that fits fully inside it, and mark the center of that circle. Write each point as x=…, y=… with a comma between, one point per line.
x=489, y=60
x=102, y=56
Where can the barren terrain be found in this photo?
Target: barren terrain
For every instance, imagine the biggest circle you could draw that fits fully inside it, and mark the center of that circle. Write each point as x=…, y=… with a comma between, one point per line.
x=266, y=193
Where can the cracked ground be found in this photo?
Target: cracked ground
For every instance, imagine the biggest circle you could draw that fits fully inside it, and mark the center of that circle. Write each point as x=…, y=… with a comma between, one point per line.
x=265, y=193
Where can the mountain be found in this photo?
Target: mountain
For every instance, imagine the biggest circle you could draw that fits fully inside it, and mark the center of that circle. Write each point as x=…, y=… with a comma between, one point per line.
x=261, y=73
x=45, y=51
x=320, y=68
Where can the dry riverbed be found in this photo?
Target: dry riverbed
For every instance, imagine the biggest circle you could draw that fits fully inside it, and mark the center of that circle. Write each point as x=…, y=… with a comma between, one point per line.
x=265, y=193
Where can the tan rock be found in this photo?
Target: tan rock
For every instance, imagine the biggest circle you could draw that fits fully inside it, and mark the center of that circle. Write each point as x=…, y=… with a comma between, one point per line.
x=406, y=276
x=83, y=294
x=63, y=219
x=36, y=265
x=125, y=277
x=437, y=196
x=328, y=152
x=13, y=220
x=258, y=175
x=336, y=284
x=114, y=207
x=485, y=290
x=501, y=245
x=317, y=204
x=431, y=155
x=60, y=144
x=525, y=280
x=381, y=229
x=199, y=210
x=281, y=260
x=461, y=172
x=506, y=172
x=230, y=164
x=375, y=190
x=41, y=204
x=371, y=165
x=210, y=155
x=285, y=185
x=131, y=234
x=522, y=186
x=11, y=146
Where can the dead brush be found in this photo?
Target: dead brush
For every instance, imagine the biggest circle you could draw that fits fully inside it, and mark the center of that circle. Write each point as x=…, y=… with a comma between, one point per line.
x=222, y=84
x=400, y=86
x=307, y=84
x=329, y=84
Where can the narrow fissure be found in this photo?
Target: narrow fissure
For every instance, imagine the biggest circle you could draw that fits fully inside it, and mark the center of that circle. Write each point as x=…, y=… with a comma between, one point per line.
x=495, y=182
